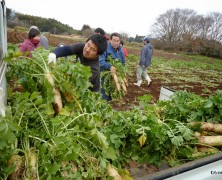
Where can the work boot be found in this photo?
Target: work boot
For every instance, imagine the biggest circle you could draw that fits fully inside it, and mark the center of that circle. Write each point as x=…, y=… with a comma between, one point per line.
x=138, y=83
x=148, y=80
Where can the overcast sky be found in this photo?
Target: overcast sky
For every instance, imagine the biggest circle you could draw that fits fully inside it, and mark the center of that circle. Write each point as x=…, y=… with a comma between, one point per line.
x=131, y=17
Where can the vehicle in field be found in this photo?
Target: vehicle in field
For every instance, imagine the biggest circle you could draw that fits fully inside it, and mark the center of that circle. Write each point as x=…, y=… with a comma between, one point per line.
x=3, y=52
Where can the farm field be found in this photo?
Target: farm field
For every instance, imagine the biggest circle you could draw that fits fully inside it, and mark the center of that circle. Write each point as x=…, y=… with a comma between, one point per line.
x=196, y=74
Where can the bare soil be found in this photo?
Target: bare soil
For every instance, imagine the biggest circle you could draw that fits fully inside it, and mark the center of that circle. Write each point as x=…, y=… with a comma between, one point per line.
x=155, y=87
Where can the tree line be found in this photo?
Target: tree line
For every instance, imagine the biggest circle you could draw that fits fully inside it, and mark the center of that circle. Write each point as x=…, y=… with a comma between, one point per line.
x=44, y=24
x=185, y=30
x=175, y=30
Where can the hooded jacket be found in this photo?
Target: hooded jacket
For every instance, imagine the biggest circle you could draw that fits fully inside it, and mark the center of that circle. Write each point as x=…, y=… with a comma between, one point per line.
x=27, y=45
x=146, y=55
x=44, y=42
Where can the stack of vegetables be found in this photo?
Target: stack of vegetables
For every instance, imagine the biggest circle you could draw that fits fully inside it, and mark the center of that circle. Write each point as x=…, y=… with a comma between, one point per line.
x=115, y=84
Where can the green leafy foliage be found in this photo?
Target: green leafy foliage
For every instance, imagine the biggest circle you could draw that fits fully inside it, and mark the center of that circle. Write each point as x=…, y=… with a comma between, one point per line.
x=187, y=107
x=109, y=84
x=88, y=134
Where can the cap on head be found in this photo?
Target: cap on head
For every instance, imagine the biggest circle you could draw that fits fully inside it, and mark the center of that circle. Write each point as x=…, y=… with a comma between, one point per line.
x=33, y=27
x=100, y=31
x=147, y=39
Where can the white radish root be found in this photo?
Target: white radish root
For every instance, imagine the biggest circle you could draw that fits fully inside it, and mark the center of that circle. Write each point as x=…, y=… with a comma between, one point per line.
x=210, y=140
x=19, y=167
x=124, y=87
x=111, y=171
x=206, y=126
x=115, y=78
x=57, y=94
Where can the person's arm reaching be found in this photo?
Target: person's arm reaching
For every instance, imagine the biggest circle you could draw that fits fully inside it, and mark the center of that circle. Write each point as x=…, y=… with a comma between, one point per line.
x=64, y=51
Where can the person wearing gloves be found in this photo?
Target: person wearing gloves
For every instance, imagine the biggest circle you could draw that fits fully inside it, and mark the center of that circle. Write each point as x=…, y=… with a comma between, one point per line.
x=115, y=50
x=144, y=62
x=88, y=54
x=31, y=43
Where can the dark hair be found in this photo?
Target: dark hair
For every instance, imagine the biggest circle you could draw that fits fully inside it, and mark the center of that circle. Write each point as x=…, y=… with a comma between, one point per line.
x=100, y=41
x=115, y=34
x=121, y=42
x=100, y=31
x=33, y=33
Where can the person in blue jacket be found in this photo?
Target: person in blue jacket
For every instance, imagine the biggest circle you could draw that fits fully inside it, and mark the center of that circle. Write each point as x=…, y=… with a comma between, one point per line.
x=114, y=50
x=144, y=62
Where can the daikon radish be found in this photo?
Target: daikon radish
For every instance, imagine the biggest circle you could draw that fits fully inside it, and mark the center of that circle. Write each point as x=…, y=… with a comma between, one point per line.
x=210, y=140
x=124, y=87
x=207, y=149
x=19, y=167
x=57, y=95
x=33, y=165
x=206, y=126
x=111, y=171
x=115, y=78
x=125, y=81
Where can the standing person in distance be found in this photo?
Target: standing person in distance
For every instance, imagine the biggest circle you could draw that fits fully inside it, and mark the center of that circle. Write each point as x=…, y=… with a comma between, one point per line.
x=114, y=49
x=144, y=62
x=88, y=54
x=44, y=42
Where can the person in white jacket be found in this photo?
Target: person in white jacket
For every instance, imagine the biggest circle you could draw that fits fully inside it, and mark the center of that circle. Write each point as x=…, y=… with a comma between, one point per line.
x=144, y=62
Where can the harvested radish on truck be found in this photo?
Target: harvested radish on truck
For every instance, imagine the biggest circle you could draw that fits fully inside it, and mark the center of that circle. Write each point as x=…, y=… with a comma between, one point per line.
x=210, y=140
x=207, y=126
x=16, y=161
x=111, y=171
x=32, y=165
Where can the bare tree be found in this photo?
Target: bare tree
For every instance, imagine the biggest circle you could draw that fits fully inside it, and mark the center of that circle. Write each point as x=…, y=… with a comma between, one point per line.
x=184, y=30
x=215, y=30
x=173, y=24
x=176, y=24
x=203, y=24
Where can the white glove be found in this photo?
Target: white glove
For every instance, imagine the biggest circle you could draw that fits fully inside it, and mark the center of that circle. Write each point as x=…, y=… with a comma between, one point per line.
x=52, y=58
